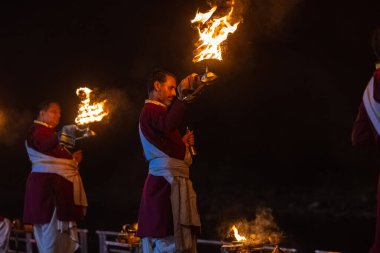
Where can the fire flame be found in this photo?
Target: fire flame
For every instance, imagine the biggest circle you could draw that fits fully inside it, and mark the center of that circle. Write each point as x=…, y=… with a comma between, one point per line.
x=238, y=237
x=212, y=32
x=89, y=111
x=203, y=17
x=261, y=230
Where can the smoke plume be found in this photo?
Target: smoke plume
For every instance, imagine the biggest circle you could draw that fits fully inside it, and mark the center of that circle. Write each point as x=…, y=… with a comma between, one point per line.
x=13, y=125
x=271, y=18
x=262, y=230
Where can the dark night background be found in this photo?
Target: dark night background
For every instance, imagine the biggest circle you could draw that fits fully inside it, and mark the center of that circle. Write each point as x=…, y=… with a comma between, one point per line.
x=274, y=131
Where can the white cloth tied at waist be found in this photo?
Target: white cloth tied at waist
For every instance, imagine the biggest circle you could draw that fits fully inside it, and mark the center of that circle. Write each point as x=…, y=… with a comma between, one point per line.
x=66, y=168
x=169, y=168
x=183, y=197
x=372, y=106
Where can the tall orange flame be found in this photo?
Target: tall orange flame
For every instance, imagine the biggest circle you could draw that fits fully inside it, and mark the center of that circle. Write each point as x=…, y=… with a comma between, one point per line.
x=89, y=111
x=212, y=32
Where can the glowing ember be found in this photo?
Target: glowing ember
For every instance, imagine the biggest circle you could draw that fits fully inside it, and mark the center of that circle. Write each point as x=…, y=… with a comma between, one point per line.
x=238, y=237
x=89, y=111
x=212, y=32
x=2, y=119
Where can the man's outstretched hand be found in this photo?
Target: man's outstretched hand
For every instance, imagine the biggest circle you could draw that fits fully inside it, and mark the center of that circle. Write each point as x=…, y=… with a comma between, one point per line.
x=187, y=86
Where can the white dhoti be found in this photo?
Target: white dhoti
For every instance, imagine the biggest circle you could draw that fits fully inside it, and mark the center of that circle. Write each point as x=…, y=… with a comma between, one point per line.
x=158, y=245
x=5, y=230
x=56, y=236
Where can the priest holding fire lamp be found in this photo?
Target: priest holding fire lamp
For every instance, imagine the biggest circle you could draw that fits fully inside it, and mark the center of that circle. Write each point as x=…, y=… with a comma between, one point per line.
x=55, y=199
x=168, y=216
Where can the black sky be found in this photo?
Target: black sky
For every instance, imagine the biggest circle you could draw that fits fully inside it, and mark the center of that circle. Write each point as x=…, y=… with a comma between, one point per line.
x=273, y=131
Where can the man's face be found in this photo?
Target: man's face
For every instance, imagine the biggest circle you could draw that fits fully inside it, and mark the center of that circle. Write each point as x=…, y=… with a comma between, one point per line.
x=166, y=91
x=51, y=115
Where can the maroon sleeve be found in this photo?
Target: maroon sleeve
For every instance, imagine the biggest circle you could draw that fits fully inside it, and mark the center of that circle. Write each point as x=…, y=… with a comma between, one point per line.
x=45, y=140
x=169, y=120
x=362, y=131
x=159, y=127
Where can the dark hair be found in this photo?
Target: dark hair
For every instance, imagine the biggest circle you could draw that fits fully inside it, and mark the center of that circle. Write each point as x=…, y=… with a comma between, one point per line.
x=158, y=74
x=44, y=105
x=376, y=43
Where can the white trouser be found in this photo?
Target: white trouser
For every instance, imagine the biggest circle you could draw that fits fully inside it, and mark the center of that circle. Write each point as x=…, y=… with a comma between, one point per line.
x=56, y=236
x=5, y=230
x=158, y=245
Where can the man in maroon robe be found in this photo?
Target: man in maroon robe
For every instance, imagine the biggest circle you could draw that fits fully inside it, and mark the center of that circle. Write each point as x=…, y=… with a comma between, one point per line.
x=54, y=198
x=366, y=128
x=168, y=215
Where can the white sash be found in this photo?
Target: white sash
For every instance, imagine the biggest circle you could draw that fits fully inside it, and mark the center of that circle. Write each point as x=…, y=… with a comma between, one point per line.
x=372, y=106
x=64, y=167
x=160, y=164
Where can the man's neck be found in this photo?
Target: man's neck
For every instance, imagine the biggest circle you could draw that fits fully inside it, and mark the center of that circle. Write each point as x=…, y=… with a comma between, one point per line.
x=154, y=98
x=37, y=121
x=157, y=102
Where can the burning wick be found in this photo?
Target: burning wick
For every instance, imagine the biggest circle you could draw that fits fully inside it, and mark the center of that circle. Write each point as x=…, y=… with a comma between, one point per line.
x=89, y=111
x=199, y=85
x=238, y=237
x=208, y=76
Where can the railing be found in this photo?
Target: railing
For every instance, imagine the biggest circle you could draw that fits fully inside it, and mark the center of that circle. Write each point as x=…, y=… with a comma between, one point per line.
x=22, y=241
x=108, y=243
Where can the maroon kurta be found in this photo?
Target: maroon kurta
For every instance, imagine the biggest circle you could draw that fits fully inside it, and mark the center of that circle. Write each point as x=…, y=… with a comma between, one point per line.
x=45, y=191
x=160, y=127
x=364, y=134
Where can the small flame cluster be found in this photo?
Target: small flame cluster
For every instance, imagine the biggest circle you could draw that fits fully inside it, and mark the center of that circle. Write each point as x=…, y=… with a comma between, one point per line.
x=89, y=111
x=212, y=32
x=238, y=237
x=262, y=230
x=128, y=234
x=256, y=238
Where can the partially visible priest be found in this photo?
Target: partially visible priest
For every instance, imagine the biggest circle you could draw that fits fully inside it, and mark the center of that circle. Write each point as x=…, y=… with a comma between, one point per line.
x=366, y=128
x=168, y=217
